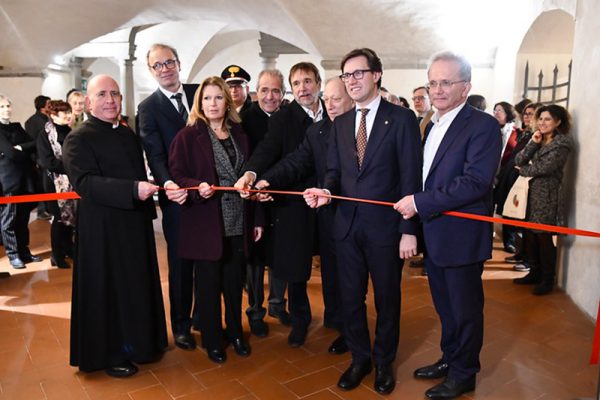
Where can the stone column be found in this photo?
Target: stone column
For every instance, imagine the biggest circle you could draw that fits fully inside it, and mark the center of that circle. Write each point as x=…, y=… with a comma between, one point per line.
x=128, y=105
x=75, y=64
x=269, y=60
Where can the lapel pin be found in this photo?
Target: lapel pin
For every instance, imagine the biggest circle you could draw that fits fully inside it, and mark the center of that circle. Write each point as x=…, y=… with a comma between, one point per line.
x=386, y=122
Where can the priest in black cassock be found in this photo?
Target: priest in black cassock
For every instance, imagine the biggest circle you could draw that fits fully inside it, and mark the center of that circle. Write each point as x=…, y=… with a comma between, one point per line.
x=117, y=315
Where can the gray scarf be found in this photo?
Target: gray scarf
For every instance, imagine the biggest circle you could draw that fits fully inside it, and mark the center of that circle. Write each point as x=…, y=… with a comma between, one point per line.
x=232, y=205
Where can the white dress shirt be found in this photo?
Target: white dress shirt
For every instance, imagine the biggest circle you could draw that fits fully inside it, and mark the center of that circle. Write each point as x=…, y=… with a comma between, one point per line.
x=435, y=137
x=373, y=106
x=316, y=117
x=174, y=101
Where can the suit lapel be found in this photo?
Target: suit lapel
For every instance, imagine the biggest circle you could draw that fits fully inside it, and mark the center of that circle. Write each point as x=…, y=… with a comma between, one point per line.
x=167, y=109
x=190, y=91
x=347, y=139
x=454, y=130
x=380, y=129
x=205, y=144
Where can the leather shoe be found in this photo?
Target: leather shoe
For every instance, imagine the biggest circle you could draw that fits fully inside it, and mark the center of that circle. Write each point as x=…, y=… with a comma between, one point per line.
x=543, y=288
x=31, y=258
x=385, y=381
x=59, y=262
x=17, y=263
x=259, y=328
x=282, y=316
x=241, y=348
x=297, y=337
x=450, y=388
x=185, y=341
x=123, y=370
x=217, y=355
x=339, y=346
x=433, y=371
x=532, y=278
x=352, y=377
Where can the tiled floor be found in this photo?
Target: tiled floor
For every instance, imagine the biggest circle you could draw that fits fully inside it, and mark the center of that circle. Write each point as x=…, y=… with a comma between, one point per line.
x=535, y=347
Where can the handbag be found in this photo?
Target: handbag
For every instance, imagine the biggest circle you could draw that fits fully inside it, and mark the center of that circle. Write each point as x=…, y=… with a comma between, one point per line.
x=515, y=205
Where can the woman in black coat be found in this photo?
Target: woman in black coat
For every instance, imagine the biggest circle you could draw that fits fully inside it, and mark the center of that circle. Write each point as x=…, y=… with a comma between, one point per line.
x=16, y=169
x=215, y=226
x=49, y=150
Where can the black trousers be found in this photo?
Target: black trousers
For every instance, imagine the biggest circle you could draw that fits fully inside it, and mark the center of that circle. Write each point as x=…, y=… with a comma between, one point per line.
x=256, y=292
x=457, y=294
x=540, y=254
x=299, y=305
x=61, y=235
x=181, y=273
x=216, y=278
x=329, y=269
x=255, y=278
x=358, y=258
x=15, y=231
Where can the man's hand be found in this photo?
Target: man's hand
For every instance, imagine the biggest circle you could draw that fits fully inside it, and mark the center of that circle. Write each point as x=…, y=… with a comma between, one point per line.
x=262, y=197
x=146, y=190
x=244, y=183
x=314, y=197
x=408, y=246
x=174, y=193
x=258, y=232
x=205, y=190
x=406, y=207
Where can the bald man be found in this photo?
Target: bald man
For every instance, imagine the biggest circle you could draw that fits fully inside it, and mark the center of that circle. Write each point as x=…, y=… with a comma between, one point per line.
x=117, y=314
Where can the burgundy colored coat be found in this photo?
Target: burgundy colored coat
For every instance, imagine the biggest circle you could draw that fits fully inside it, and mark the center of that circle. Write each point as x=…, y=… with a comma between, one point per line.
x=191, y=162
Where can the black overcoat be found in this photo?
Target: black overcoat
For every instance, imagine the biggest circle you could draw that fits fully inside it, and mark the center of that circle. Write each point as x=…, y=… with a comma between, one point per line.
x=293, y=232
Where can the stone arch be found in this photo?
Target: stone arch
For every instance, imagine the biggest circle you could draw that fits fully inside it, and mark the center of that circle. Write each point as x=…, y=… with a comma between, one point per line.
x=548, y=44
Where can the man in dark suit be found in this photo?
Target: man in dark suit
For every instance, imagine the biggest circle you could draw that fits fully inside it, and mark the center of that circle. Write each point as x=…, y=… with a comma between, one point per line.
x=270, y=90
x=35, y=125
x=374, y=153
x=309, y=158
x=16, y=167
x=461, y=154
x=293, y=224
x=161, y=116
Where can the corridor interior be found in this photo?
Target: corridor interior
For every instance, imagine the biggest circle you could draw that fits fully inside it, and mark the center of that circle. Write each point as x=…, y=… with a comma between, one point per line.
x=534, y=347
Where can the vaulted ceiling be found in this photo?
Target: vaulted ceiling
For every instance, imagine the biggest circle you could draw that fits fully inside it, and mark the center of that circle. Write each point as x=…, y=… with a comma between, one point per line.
x=404, y=32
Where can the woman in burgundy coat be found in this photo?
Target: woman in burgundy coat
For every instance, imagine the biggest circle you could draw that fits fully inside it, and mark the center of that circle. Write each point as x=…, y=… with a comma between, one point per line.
x=216, y=227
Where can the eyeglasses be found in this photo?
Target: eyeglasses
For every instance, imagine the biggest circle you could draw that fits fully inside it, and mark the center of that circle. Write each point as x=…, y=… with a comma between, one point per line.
x=444, y=84
x=528, y=114
x=420, y=98
x=169, y=64
x=357, y=75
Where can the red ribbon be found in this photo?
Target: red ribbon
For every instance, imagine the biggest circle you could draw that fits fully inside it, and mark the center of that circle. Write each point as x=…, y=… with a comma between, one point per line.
x=522, y=224
x=596, y=342
x=34, y=198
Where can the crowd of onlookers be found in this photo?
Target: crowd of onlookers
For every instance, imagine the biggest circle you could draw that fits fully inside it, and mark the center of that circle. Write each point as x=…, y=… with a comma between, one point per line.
x=32, y=163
